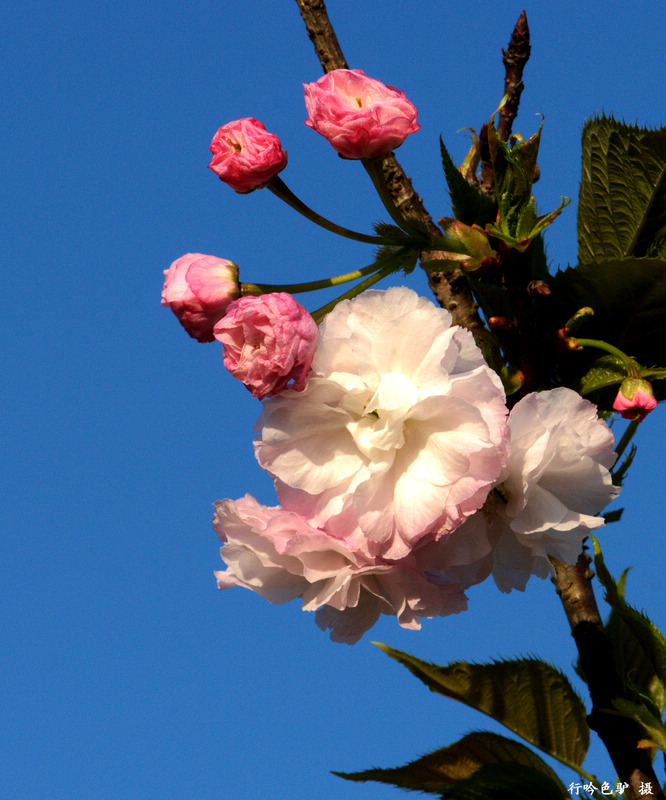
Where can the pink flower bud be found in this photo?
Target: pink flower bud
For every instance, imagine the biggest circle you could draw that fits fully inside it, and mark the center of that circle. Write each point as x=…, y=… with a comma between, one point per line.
x=360, y=116
x=245, y=155
x=635, y=399
x=198, y=289
x=268, y=341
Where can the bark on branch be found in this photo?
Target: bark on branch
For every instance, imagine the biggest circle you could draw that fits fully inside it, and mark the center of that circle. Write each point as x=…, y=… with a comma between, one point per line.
x=620, y=735
x=450, y=289
x=514, y=58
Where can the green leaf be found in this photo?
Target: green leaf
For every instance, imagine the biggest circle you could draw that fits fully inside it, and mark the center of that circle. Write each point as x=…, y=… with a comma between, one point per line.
x=622, y=200
x=469, y=204
x=388, y=231
x=644, y=633
x=629, y=301
x=609, y=370
x=513, y=163
x=630, y=659
x=613, y=516
x=654, y=728
x=619, y=472
x=506, y=782
x=531, y=698
x=449, y=765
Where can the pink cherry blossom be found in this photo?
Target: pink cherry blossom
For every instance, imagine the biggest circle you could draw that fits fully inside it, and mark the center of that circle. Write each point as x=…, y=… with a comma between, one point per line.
x=280, y=556
x=245, y=155
x=360, y=116
x=413, y=427
x=635, y=399
x=198, y=289
x=268, y=341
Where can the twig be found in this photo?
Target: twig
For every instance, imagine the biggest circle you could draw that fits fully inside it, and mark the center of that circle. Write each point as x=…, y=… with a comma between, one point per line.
x=619, y=734
x=514, y=59
x=487, y=179
x=322, y=35
x=450, y=289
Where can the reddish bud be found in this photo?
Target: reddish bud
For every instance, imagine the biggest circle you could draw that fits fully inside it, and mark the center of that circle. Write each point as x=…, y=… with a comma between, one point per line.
x=635, y=399
x=500, y=325
x=566, y=340
x=198, y=289
x=538, y=289
x=245, y=156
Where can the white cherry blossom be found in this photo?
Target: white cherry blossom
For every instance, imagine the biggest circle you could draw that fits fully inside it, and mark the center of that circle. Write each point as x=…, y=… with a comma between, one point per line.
x=555, y=483
x=400, y=432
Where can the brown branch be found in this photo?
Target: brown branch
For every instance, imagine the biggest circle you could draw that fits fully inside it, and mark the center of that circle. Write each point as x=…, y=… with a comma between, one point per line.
x=322, y=35
x=487, y=180
x=619, y=734
x=514, y=58
x=450, y=289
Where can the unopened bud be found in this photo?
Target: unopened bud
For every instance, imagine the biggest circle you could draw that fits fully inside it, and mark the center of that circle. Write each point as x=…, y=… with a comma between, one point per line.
x=500, y=325
x=538, y=289
x=567, y=340
x=635, y=399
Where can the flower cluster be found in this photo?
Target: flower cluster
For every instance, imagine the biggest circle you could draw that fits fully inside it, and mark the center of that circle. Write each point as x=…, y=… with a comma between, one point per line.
x=402, y=478
x=360, y=116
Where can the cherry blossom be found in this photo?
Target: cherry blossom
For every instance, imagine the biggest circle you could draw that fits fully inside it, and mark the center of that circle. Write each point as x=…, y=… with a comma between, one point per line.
x=360, y=116
x=198, y=289
x=280, y=556
x=268, y=341
x=395, y=437
x=635, y=399
x=245, y=155
x=555, y=483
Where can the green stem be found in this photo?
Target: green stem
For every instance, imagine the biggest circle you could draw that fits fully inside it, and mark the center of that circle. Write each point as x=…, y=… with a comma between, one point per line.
x=609, y=348
x=449, y=245
x=281, y=190
x=389, y=262
x=627, y=436
x=373, y=167
x=309, y=286
x=320, y=313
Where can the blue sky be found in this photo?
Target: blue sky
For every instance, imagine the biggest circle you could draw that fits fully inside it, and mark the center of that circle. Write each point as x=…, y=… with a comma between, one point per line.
x=126, y=674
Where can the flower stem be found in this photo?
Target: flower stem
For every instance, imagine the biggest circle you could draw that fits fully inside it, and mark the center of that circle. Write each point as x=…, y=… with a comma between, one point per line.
x=281, y=190
x=390, y=262
x=309, y=286
x=627, y=436
x=609, y=348
x=373, y=167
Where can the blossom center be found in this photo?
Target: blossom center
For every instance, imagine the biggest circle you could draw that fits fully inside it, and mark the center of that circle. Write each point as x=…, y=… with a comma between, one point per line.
x=382, y=426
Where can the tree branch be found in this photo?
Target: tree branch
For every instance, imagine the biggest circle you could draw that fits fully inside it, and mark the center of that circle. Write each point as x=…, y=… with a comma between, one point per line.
x=322, y=35
x=451, y=288
x=619, y=735
x=514, y=58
